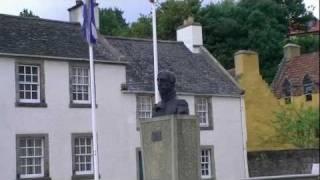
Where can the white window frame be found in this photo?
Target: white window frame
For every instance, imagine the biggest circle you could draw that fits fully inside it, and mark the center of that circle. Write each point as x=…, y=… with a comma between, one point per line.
x=208, y=153
x=144, y=106
x=202, y=106
x=85, y=172
x=76, y=76
x=23, y=176
x=38, y=83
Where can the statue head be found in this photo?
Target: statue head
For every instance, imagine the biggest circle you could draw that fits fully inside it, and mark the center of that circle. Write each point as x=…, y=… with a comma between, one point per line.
x=166, y=85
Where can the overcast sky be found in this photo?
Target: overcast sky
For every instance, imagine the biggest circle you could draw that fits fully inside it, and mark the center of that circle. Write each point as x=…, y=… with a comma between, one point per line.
x=57, y=9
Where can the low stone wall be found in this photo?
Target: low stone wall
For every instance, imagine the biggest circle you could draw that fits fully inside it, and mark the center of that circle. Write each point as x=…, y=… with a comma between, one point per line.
x=288, y=177
x=282, y=162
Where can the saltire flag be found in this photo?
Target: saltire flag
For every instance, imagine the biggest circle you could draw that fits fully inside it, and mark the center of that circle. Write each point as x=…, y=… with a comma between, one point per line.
x=89, y=31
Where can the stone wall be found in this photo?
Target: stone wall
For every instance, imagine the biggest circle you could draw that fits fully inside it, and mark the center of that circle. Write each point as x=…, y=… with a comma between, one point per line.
x=282, y=162
x=289, y=177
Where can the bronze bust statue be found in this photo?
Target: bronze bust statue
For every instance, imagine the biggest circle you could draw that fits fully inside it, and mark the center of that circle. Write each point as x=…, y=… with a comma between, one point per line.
x=169, y=103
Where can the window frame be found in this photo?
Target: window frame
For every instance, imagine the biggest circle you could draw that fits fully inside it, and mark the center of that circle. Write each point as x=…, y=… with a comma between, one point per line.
x=212, y=162
x=79, y=103
x=138, y=119
x=138, y=110
x=86, y=174
x=307, y=83
x=209, y=115
x=40, y=101
x=286, y=87
x=45, y=156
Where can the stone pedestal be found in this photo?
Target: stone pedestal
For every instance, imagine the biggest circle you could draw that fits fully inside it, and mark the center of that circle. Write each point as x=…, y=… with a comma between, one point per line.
x=171, y=148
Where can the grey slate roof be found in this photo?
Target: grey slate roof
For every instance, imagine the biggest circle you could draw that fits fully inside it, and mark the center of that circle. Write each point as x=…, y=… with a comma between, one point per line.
x=34, y=36
x=195, y=73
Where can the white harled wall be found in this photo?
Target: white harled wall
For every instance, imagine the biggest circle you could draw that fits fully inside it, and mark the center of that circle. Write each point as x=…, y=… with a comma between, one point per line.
x=116, y=121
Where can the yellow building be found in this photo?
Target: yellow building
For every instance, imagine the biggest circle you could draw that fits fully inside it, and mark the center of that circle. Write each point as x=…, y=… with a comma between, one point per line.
x=261, y=102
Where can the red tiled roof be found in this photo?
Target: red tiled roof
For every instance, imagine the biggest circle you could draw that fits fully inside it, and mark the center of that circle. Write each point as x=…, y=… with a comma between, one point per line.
x=313, y=28
x=294, y=70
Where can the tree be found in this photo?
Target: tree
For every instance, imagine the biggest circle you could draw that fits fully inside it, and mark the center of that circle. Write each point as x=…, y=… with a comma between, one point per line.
x=142, y=28
x=112, y=22
x=171, y=14
x=297, y=14
x=261, y=26
x=27, y=13
x=249, y=24
x=298, y=126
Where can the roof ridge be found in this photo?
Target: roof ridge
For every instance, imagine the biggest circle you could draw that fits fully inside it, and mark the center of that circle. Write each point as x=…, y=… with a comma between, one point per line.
x=140, y=39
x=39, y=19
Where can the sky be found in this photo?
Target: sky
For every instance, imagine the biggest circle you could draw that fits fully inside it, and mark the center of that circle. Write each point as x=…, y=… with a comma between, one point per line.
x=57, y=9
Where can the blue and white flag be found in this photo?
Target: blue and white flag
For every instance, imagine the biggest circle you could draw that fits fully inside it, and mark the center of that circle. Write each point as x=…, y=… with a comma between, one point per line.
x=89, y=25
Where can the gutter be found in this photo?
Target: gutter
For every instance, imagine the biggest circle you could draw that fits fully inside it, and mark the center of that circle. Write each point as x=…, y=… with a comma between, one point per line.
x=287, y=177
x=62, y=58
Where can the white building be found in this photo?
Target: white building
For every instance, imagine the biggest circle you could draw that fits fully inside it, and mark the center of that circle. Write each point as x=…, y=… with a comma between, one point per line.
x=45, y=126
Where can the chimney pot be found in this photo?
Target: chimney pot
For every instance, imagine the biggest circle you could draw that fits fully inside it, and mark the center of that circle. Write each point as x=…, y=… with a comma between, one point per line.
x=291, y=50
x=190, y=33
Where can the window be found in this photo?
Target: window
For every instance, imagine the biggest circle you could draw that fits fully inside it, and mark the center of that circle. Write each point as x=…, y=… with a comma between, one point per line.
x=203, y=110
x=82, y=154
x=286, y=91
x=32, y=156
x=30, y=84
x=144, y=106
x=206, y=162
x=80, y=84
x=307, y=87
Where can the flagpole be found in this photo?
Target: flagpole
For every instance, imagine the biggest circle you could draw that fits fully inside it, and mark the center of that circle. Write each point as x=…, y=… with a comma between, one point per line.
x=155, y=51
x=93, y=115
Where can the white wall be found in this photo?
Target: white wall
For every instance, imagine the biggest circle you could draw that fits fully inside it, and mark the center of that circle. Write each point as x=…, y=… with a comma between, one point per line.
x=116, y=122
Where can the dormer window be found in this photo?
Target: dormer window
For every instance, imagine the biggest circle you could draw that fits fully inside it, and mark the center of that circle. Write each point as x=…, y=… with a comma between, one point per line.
x=286, y=91
x=307, y=87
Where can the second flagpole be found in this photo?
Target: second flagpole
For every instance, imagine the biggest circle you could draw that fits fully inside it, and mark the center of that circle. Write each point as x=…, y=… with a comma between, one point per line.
x=155, y=51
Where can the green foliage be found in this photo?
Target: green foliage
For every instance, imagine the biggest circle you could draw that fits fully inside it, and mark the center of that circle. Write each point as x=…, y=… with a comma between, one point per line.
x=27, y=13
x=299, y=127
x=170, y=15
x=112, y=22
x=308, y=43
x=142, y=28
x=296, y=13
x=249, y=24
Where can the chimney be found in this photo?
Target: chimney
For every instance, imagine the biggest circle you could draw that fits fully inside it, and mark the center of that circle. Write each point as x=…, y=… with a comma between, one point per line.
x=246, y=62
x=190, y=33
x=291, y=51
x=76, y=13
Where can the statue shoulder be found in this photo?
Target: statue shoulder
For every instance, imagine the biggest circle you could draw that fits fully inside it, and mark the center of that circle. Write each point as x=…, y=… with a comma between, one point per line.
x=182, y=102
x=182, y=107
